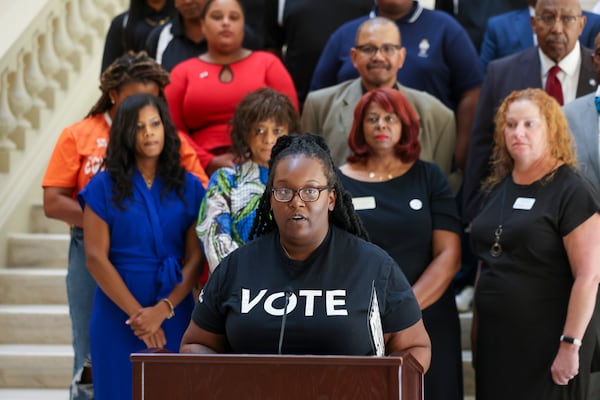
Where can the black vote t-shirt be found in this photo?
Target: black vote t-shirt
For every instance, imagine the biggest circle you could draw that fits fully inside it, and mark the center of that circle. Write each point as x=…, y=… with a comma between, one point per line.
x=330, y=297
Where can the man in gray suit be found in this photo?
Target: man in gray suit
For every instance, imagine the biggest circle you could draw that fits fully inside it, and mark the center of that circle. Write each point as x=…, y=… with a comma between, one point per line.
x=583, y=122
x=557, y=25
x=377, y=55
x=583, y=118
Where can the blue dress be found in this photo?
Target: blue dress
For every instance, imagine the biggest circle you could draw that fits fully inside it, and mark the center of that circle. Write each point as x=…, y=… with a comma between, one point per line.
x=147, y=244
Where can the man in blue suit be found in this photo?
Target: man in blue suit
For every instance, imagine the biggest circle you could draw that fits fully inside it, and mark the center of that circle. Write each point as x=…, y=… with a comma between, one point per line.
x=511, y=32
x=558, y=25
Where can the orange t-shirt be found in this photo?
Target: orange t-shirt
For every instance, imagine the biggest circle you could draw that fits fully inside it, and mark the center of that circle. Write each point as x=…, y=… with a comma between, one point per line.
x=81, y=149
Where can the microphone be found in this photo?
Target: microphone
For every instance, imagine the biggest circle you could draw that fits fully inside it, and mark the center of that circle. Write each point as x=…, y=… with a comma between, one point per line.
x=288, y=293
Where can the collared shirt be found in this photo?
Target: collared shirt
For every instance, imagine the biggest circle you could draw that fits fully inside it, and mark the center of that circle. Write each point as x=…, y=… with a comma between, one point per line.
x=570, y=66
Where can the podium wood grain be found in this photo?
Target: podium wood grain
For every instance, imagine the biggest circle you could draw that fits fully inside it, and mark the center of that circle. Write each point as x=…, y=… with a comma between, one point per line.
x=227, y=376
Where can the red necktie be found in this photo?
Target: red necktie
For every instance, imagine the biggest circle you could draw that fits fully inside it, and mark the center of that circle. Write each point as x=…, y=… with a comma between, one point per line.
x=553, y=86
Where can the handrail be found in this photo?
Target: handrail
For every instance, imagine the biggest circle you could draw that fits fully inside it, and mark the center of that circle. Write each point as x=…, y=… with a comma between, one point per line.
x=49, y=75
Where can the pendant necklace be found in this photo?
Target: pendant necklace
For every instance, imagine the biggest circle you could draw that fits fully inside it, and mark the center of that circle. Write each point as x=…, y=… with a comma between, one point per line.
x=496, y=249
x=284, y=249
x=373, y=175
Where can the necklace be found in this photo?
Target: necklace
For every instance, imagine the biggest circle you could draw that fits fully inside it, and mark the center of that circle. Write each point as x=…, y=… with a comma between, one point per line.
x=284, y=249
x=157, y=22
x=148, y=181
x=373, y=175
x=496, y=249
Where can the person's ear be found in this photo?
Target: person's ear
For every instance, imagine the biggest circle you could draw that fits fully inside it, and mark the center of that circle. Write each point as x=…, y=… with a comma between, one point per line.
x=401, y=57
x=331, y=199
x=353, y=56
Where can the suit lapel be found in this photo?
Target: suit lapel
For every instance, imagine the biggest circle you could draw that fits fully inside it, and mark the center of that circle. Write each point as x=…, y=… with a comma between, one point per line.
x=587, y=81
x=350, y=99
x=590, y=115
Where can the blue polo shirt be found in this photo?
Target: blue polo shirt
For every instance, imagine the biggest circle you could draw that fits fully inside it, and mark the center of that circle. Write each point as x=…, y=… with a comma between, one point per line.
x=440, y=57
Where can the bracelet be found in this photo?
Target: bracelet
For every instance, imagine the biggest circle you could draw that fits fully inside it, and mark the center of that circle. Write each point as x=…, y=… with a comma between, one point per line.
x=171, y=307
x=569, y=339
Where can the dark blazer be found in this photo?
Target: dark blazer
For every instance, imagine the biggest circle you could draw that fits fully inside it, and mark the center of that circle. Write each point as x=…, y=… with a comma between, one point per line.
x=516, y=72
x=511, y=32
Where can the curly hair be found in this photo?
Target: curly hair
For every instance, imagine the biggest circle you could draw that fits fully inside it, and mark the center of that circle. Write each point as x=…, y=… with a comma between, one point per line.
x=560, y=140
x=392, y=101
x=121, y=154
x=129, y=68
x=313, y=146
x=259, y=106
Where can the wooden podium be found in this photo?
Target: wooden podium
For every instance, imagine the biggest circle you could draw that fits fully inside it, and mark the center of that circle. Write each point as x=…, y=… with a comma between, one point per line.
x=234, y=376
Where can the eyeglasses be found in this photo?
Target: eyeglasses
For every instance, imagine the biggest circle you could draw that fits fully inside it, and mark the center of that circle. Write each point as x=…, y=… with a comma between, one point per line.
x=306, y=194
x=549, y=19
x=389, y=119
x=370, y=50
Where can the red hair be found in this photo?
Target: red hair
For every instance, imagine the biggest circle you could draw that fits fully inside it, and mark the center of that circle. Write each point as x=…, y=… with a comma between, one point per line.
x=392, y=101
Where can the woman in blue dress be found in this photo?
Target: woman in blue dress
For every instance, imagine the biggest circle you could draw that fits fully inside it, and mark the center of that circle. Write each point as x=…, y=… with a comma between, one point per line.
x=139, y=218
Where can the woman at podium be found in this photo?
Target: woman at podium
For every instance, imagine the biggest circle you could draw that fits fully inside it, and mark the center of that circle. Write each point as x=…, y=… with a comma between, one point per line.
x=309, y=282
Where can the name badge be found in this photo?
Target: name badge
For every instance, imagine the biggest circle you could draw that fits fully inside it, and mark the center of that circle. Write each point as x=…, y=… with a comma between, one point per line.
x=524, y=203
x=363, y=203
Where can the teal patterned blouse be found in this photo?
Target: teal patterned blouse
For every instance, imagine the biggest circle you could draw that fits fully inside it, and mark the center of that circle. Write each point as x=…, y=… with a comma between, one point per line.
x=228, y=209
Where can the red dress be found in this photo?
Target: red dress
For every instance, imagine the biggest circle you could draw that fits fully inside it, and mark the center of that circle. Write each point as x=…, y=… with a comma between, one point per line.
x=202, y=105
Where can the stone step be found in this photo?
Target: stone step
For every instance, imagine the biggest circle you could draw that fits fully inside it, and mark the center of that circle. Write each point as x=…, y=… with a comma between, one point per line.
x=34, y=394
x=468, y=374
x=466, y=319
x=39, y=223
x=35, y=324
x=36, y=366
x=47, y=250
x=32, y=286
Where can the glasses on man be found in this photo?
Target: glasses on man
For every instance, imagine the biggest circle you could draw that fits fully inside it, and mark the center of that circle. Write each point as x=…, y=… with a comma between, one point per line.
x=388, y=49
x=306, y=194
x=566, y=20
x=388, y=119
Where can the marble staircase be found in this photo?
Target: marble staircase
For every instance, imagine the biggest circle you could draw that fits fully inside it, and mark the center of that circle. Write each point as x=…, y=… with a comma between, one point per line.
x=35, y=333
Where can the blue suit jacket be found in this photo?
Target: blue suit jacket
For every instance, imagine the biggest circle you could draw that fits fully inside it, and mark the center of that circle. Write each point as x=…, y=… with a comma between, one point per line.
x=515, y=72
x=583, y=122
x=511, y=32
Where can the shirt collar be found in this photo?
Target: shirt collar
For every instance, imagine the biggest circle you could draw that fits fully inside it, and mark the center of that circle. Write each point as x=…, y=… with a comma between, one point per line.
x=409, y=18
x=107, y=118
x=568, y=64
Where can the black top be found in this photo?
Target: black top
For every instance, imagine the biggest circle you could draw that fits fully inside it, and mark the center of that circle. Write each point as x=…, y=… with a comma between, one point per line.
x=329, y=310
x=115, y=43
x=169, y=45
x=522, y=295
x=304, y=29
x=401, y=214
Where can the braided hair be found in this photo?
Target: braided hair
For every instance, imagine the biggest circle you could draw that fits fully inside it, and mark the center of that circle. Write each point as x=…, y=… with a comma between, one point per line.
x=130, y=67
x=309, y=145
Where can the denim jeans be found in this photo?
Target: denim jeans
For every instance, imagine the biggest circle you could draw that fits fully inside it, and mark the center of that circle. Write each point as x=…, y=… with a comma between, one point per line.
x=80, y=295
